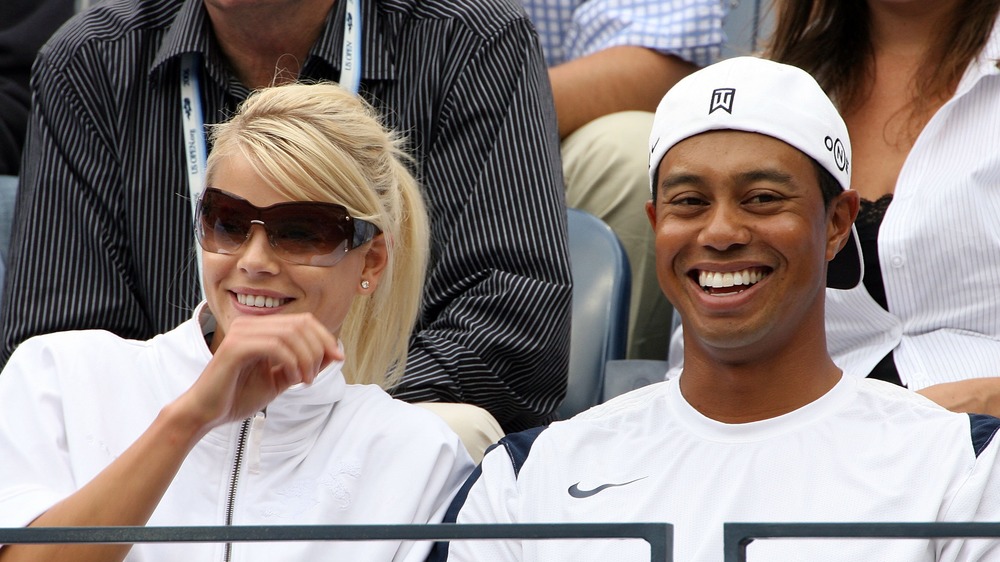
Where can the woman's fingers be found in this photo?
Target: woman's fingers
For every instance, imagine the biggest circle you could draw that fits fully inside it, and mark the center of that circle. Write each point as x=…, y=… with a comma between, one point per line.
x=259, y=358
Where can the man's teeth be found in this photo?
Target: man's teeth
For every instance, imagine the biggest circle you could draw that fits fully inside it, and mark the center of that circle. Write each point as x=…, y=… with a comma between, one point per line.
x=259, y=301
x=717, y=280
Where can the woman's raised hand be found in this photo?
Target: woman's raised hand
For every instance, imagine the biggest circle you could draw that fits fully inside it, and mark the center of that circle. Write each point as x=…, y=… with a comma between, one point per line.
x=259, y=358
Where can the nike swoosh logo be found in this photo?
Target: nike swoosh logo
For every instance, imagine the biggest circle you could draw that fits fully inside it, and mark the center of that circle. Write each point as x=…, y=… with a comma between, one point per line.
x=576, y=492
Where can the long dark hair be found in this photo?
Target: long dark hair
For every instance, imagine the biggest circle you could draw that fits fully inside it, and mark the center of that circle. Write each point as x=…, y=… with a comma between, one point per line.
x=831, y=39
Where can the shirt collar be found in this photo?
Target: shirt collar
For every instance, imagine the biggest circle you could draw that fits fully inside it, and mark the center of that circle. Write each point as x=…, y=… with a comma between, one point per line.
x=206, y=319
x=191, y=32
x=327, y=389
x=991, y=52
x=986, y=63
x=836, y=400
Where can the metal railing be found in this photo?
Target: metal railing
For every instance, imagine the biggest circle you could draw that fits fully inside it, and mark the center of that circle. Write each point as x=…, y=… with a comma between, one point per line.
x=738, y=536
x=658, y=535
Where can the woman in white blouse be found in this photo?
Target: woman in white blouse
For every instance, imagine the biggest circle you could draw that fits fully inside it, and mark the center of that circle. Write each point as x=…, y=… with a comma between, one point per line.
x=918, y=84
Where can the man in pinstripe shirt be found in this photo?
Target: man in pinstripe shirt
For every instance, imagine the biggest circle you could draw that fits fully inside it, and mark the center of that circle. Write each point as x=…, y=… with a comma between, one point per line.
x=102, y=236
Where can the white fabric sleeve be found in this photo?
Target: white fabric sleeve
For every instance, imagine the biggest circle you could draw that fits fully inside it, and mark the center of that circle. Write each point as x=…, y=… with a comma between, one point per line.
x=977, y=500
x=437, y=481
x=35, y=472
x=492, y=499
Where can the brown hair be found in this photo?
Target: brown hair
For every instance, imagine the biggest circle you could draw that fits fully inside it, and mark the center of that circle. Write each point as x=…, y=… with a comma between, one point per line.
x=831, y=39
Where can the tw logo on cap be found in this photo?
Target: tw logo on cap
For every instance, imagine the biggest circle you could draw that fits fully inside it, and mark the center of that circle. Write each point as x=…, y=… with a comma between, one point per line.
x=722, y=98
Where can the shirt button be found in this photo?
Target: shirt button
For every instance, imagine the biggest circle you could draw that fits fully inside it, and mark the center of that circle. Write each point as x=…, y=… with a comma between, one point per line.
x=897, y=261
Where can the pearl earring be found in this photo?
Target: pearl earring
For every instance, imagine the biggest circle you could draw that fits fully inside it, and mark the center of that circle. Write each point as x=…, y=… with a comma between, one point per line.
x=365, y=284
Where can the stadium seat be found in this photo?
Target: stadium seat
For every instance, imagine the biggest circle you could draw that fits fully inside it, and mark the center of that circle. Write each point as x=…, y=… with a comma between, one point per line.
x=625, y=375
x=602, y=281
x=8, y=194
x=747, y=26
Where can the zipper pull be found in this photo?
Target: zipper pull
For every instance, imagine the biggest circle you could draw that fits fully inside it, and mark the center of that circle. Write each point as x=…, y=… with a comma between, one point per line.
x=253, y=443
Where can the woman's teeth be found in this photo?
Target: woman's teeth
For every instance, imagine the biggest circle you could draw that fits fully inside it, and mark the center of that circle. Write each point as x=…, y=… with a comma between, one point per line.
x=259, y=301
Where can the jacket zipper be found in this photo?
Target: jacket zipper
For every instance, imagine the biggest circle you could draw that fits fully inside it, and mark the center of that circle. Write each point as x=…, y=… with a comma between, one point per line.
x=234, y=479
x=251, y=433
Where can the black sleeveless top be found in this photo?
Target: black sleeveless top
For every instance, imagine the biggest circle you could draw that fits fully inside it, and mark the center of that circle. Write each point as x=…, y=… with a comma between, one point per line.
x=869, y=220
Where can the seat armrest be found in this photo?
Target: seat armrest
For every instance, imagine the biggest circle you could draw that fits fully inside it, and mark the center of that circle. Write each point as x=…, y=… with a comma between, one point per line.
x=624, y=375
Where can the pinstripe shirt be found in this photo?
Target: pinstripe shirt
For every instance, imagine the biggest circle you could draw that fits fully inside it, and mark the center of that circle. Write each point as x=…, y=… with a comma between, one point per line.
x=103, y=238
x=570, y=29
x=938, y=249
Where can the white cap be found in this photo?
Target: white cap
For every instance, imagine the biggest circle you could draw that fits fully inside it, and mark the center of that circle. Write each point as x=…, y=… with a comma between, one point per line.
x=760, y=96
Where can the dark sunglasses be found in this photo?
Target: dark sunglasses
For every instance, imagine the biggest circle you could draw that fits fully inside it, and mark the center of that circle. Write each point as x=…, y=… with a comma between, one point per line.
x=301, y=232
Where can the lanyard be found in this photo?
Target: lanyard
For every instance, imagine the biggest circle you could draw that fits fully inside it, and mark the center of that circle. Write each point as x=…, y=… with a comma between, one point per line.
x=350, y=55
x=195, y=150
x=195, y=147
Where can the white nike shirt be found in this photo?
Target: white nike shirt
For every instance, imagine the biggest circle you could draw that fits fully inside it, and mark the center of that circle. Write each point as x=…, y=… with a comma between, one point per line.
x=865, y=451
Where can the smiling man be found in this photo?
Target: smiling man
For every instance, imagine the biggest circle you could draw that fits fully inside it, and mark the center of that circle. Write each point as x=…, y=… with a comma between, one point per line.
x=749, y=165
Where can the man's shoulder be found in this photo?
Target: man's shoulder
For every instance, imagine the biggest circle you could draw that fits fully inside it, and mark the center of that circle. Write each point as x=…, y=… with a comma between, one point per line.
x=516, y=446
x=902, y=407
x=481, y=17
x=637, y=402
x=112, y=21
x=631, y=416
x=877, y=394
x=983, y=429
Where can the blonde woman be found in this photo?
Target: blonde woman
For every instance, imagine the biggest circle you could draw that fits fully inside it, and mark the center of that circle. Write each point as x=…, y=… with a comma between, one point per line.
x=267, y=406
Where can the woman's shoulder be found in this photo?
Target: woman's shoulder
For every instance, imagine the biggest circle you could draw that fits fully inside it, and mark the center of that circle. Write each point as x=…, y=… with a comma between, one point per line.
x=68, y=362
x=81, y=351
x=379, y=403
x=70, y=342
x=381, y=412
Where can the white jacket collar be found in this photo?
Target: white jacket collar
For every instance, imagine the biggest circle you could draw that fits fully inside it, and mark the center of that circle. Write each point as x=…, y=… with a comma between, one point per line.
x=328, y=388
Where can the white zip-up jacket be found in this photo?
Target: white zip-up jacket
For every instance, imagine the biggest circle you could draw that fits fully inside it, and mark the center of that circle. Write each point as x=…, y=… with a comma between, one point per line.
x=329, y=453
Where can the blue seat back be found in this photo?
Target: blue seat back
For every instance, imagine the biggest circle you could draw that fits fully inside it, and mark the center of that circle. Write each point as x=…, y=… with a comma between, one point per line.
x=602, y=284
x=8, y=195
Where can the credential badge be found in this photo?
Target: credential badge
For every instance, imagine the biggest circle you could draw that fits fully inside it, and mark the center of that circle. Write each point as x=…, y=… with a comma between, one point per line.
x=722, y=98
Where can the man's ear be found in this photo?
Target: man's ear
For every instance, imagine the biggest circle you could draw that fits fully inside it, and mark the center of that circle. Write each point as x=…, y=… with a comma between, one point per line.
x=651, y=213
x=840, y=216
x=376, y=258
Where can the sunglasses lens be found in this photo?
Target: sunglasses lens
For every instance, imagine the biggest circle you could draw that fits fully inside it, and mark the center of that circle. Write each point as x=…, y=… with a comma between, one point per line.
x=222, y=226
x=306, y=233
